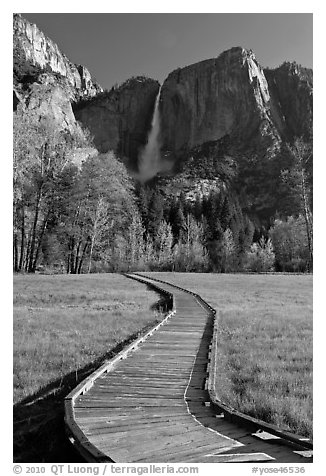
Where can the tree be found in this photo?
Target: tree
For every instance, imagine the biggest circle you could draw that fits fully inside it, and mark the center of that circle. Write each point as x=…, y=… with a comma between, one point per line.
x=212, y=212
x=245, y=239
x=155, y=213
x=176, y=218
x=163, y=242
x=229, y=252
x=189, y=252
x=99, y=221
x=225, y=214
x=198, y=208
x=149, y=252
x=41, y=157
x=144, y=195
x=102, y=208
x=290, y=244
x=87, y=214
x=213, y=244
x=135, y=244
x=299, y=180
x=23, y=134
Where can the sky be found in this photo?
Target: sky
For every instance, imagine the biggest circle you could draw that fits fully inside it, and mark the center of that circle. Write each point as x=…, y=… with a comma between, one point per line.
x=116, y=46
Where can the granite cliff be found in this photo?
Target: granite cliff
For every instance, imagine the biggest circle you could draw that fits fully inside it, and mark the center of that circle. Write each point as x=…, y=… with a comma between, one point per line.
x=225, y=123
x=222, y=96
x=291, y=90
x=52, y=88
x=228, y=104
x=119, y=119
x=233, y=97
x=35, y=53
x=45, y=82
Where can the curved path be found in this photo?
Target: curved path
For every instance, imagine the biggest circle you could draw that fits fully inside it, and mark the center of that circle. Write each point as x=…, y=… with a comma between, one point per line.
x=149, y=404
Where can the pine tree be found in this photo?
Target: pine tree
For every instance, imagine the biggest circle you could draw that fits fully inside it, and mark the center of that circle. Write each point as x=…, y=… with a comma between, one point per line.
x=144, y=196
x=225, y=213
x=245, y=239
x=212, y=214
x=176, y=218
x=198, y=208
x=155, y=213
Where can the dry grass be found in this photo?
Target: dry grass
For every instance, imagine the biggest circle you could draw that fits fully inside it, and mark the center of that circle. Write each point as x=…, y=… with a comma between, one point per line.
x=265, y=343
x=64, y=327
x=62, y=323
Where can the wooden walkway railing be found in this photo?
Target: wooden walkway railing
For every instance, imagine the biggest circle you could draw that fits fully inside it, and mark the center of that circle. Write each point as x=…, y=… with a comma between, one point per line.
x=155, y=401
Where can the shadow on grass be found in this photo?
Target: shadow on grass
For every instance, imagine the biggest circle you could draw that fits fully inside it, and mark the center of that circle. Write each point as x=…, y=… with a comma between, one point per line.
x=39, y=430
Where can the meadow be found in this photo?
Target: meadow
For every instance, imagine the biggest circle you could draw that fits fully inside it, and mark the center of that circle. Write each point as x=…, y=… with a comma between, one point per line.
x=65, y=326
x=265, y=343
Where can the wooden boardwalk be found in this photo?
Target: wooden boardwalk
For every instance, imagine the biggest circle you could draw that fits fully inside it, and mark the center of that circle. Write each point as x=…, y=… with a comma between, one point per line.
x=150, y=404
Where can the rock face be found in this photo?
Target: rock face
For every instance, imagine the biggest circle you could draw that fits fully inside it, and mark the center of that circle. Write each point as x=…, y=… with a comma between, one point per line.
x=228, y=101
x=120, y=119
x=226, y=120
x=230, y=96
x=54, y=89
x=208, y=100
x=46, y=83
x=48, y=100
x=291, y=104
x=34, y=52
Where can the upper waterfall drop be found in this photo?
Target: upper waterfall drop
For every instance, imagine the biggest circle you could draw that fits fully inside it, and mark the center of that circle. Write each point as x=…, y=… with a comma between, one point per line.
x=149, y=156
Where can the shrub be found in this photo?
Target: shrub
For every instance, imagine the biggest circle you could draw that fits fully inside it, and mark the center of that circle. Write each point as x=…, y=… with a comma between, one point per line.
x=290, y=244
x=261, y=256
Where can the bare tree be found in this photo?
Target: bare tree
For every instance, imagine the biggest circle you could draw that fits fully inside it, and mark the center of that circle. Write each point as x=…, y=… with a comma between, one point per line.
x=298, y=179
x=98, y=219
x=40, y=157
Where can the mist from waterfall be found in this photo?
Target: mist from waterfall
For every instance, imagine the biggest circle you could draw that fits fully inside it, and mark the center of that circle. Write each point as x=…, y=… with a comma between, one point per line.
x=149, y=159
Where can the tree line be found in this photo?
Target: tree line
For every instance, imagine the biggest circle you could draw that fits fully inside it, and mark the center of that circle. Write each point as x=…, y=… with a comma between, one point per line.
x=95, y=218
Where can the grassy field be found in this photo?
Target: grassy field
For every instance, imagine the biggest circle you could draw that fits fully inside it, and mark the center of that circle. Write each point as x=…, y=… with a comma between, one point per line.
x=265, y=343
x=64, y=327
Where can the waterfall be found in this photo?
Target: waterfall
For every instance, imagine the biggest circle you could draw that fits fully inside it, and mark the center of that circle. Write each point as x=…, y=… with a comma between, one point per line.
x=149, y=157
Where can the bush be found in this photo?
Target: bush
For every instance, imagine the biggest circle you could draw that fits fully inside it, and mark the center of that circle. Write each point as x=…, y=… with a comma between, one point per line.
x=290, y=244
x=261, y=257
